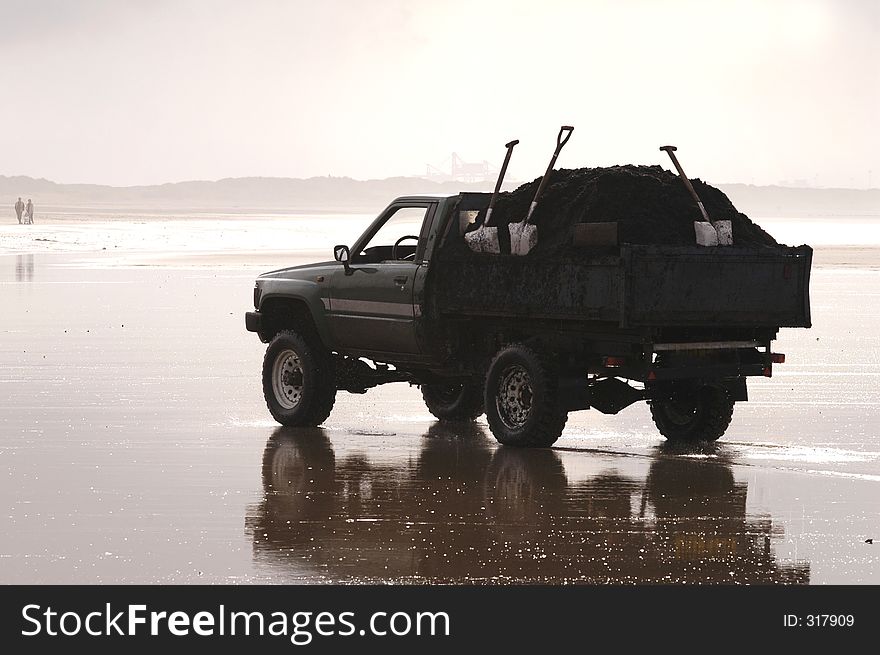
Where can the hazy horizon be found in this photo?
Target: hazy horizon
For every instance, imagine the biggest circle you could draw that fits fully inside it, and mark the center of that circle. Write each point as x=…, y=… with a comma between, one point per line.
x=131, y=94
x=508, y=183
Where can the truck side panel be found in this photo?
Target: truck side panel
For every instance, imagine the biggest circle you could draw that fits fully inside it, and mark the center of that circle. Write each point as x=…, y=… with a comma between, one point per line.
x=645, y=286
x=733, y=287
x=518, y=286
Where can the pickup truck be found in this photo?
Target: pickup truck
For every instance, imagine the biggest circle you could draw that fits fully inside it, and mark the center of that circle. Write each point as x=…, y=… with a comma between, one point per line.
x=526, y=339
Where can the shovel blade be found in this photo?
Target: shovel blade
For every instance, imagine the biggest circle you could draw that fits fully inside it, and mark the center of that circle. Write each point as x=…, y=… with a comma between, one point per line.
x=725, y=233
x=705, y=234
x=523, y=237
x=484, y=239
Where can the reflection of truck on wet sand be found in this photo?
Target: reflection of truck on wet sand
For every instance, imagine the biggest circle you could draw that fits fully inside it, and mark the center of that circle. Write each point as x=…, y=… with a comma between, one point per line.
x=526, y=339
x=463, y=511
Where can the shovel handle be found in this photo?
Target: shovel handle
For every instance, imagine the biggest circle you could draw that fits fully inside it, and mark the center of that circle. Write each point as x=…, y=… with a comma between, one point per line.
x=501, y=174
x=567, y=130
x=560, y=141
x=670, y=150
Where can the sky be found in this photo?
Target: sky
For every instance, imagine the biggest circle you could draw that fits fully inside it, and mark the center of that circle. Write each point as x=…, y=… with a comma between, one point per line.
x=128, y=92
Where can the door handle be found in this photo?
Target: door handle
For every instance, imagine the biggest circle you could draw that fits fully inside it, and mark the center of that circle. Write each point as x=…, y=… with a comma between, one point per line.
x=401, y=279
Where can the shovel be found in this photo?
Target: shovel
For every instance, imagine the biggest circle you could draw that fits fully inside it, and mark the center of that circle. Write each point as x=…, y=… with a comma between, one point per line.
x=709, y=232
x=524, y=236
x=485, y=238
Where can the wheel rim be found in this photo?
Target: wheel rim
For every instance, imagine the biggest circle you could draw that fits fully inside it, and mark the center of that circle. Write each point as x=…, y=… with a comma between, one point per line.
x=287, y=379
x=514, y=397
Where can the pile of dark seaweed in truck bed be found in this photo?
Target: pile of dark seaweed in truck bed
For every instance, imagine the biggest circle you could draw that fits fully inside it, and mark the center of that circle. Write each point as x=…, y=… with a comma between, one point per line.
x=650, y=205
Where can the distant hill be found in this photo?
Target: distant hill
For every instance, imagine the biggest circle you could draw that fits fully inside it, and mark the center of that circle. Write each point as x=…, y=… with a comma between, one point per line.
x=791, y=201
x=232, y=194
x=347, y=194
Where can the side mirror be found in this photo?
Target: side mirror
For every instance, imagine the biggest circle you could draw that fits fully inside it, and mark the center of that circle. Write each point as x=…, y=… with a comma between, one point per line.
x=342, y=254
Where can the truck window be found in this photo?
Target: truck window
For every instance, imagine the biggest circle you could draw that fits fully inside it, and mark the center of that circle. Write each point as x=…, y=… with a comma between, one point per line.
x=406, y=221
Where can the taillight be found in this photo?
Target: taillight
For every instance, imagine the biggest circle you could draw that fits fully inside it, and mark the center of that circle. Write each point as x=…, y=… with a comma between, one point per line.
x=614, y=361
x=777, y=358
x=257, y=293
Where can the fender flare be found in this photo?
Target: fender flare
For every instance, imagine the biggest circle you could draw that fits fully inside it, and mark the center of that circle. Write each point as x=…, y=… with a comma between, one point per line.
x=304, y=292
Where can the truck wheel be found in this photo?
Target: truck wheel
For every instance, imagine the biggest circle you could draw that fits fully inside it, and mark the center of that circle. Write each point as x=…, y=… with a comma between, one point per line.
x=298, y=381
x=520, y=398
x=702, y=414
x=454, y=401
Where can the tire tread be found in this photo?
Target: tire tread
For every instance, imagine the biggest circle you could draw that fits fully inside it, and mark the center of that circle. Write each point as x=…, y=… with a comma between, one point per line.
x=550, y=420
x=713, y=423
x=467, y=408
x=323, y=397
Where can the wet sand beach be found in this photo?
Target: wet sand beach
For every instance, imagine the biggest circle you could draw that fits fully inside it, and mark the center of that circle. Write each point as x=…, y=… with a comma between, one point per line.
x=136, y=447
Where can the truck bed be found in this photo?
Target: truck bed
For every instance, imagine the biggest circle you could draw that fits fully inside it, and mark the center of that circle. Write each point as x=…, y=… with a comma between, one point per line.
x=639, y=286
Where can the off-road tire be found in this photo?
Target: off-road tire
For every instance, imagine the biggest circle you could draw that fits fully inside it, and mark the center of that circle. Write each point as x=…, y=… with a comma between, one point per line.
x=702, y=414
x=308, y=403
x=454, y=401
x=521, y=398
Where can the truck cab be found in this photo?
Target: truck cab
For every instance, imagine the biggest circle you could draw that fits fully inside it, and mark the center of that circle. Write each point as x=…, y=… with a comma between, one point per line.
x=368, y=302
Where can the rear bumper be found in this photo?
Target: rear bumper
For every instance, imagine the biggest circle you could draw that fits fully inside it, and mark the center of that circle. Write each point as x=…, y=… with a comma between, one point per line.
x=253, y=321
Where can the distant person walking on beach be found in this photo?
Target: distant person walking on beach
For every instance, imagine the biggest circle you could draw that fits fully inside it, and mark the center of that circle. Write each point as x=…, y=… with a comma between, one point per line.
x=29, y=212
x=19, y=207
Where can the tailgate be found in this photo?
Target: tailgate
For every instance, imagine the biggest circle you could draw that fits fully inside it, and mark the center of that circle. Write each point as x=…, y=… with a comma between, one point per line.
x=727, y=286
